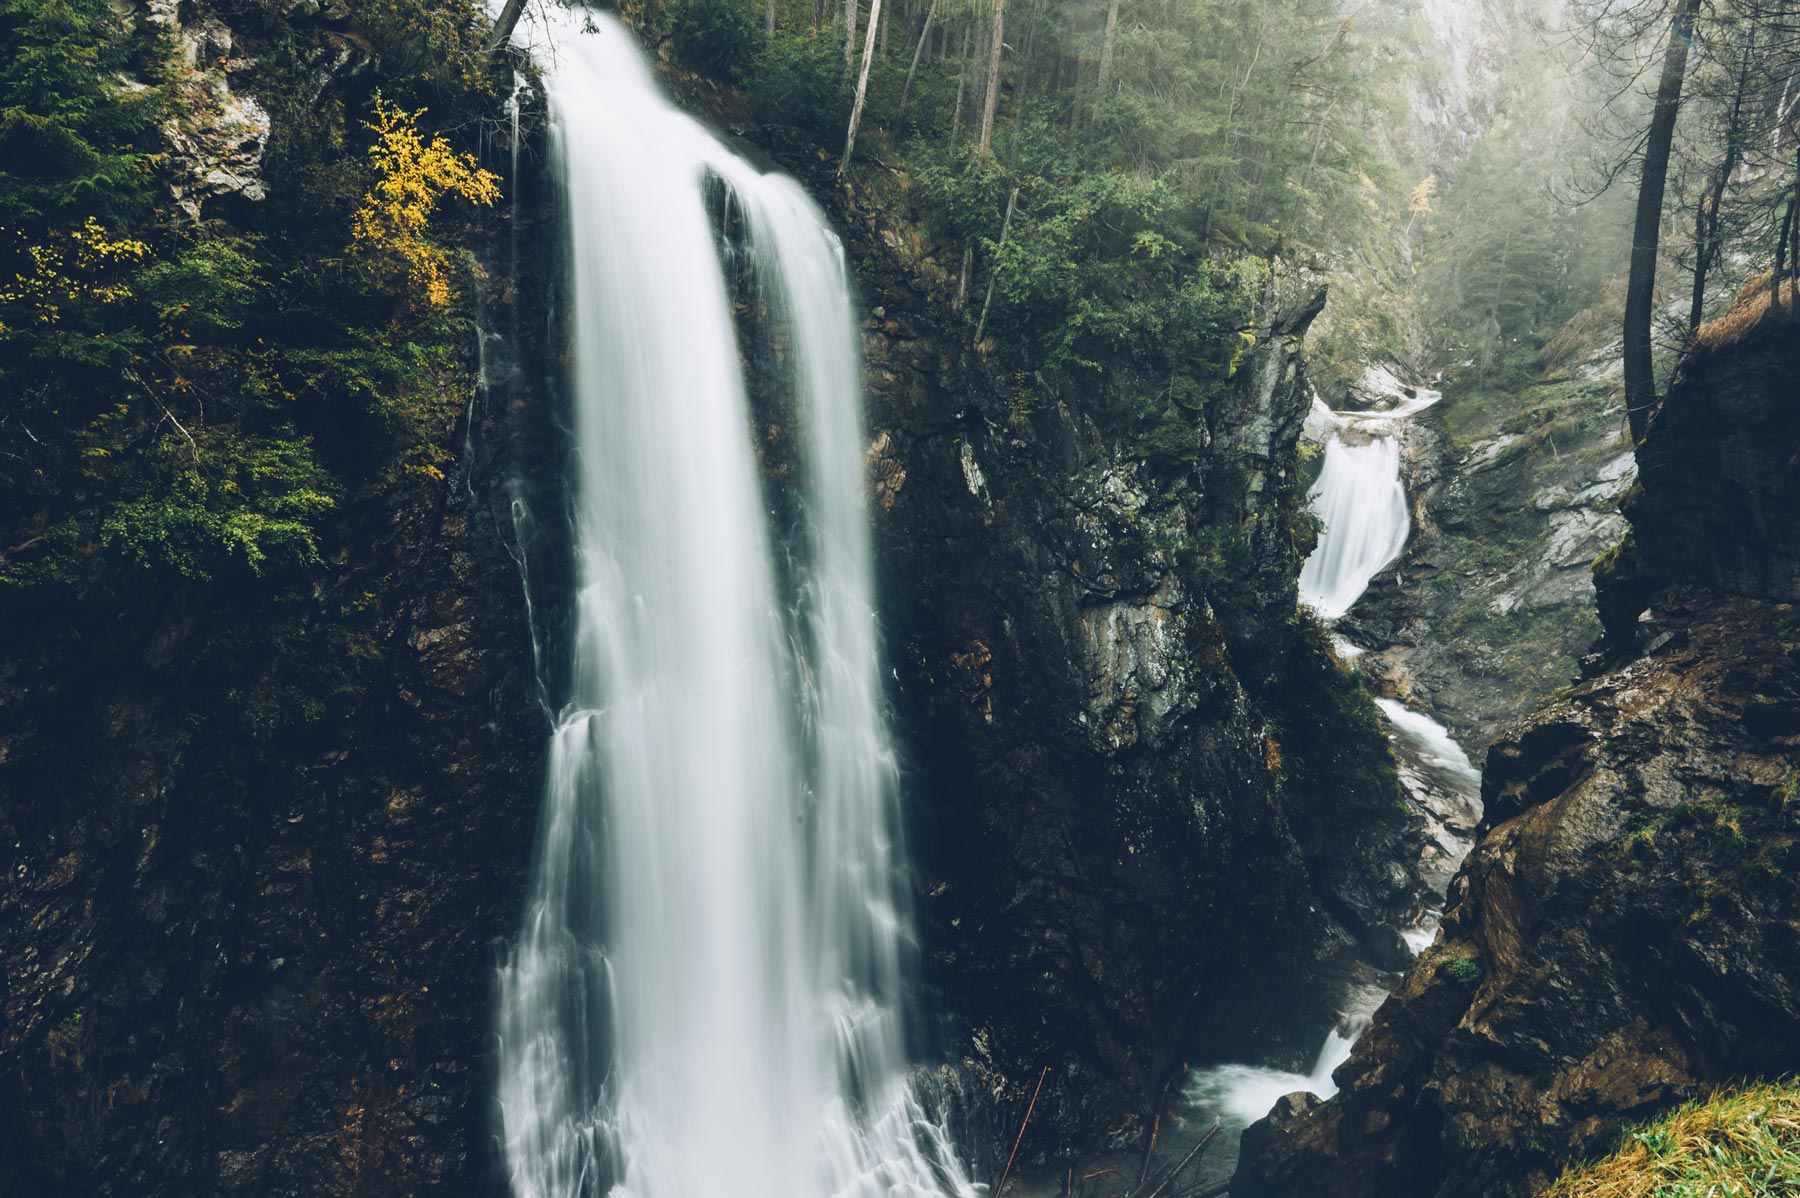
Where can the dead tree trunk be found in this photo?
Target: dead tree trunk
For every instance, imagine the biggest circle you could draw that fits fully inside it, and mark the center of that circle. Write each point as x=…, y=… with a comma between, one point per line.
x=1106, y=47
x=993, y=81
x=504, y=25
x=862, y=87
x=913, y=70
x=1640, y=286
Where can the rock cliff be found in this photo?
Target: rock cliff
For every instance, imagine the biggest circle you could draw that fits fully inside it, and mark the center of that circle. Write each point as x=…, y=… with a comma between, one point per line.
x=1621, y=938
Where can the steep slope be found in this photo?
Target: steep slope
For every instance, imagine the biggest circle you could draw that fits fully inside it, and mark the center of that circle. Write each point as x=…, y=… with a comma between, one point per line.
x=1621, y=938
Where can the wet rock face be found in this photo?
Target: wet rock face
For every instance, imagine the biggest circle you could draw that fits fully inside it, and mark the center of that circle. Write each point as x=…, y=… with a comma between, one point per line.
x=1619, y=941
x=1622, y=937
x=1091, y=781
x=1491, y=606
x=1720, y=483
x=247, y=963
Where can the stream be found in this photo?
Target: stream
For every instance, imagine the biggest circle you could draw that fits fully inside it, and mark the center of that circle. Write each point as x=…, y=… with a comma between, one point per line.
x=1362, y=504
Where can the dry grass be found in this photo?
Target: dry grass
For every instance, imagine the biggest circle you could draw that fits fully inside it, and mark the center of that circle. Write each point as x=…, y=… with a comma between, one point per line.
x=1588, y=330
x=1747, y=311
x=1736, y=1144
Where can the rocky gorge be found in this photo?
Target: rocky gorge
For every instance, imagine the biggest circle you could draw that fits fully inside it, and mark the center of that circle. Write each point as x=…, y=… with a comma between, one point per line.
x=267, y=817
x=1621, y=938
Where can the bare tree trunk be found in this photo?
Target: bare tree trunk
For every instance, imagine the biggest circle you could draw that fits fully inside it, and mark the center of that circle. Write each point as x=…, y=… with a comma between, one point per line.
x=962, y=81
x=1707, y=239
x=1023, y=89
x=1106, y=48
x=1794, y=235
x=769, y=17
x=913, y=70
x=1781, y=243
x=1697, y=305
x=884, y=30
x=993, y=81
x=818, y=16
x=862, y=87
x=1640, y=286
x=504, y=25
x=994, y=275
x=849, y=35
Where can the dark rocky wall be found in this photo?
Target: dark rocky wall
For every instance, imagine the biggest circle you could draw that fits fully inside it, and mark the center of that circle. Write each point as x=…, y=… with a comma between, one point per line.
x=1719, y=497
x=260, y=965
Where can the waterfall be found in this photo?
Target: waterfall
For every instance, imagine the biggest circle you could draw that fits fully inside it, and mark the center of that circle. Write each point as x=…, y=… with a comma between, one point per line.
x=1362, y=503
x=704, y=999
x=1359, y=499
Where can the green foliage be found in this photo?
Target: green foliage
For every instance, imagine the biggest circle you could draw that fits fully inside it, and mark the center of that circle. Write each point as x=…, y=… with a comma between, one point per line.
x=74, y=136
x=721, y=38
x=433, y=54
x=1464, y=971
x=220, y=504
x=800, y=80
x=194, y=404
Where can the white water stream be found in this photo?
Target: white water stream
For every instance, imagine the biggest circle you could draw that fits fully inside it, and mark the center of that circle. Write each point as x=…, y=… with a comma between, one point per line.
x=1361, y=501
x=705, y=997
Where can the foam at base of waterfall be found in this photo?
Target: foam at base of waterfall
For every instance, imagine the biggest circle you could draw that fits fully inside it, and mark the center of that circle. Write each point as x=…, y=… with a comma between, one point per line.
x=1238, y=1095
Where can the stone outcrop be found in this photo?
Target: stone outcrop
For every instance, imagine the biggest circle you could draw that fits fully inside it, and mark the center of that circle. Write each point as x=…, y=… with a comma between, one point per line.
x=1622, y=936
x=1721, y=486
x=1491, y=607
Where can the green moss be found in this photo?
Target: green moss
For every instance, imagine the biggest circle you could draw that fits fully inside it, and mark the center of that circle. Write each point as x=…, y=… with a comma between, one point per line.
x=1464, y=971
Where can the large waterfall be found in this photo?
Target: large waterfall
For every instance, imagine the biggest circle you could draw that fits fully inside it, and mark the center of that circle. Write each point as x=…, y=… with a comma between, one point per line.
x=705, y=996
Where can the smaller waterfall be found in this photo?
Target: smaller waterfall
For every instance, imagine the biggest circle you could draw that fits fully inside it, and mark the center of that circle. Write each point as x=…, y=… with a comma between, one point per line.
x=1360, y=500
x=1363, y=505
x=1239, y=1095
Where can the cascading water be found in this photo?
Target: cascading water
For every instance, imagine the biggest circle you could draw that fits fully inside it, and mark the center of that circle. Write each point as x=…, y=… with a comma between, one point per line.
x=1362, y=503
x=704, y=999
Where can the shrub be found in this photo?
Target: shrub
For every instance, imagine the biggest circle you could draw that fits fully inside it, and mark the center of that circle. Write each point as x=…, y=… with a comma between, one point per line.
x=800, y=81
x=1464, y=971
x=720, y=38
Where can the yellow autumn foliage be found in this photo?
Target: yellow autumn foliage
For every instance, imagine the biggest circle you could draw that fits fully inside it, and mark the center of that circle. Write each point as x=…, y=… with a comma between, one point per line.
x=77, y=268
x=415, y=172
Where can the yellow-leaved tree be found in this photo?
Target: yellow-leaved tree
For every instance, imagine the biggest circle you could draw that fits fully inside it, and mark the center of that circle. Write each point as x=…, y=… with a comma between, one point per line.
x=415, y=172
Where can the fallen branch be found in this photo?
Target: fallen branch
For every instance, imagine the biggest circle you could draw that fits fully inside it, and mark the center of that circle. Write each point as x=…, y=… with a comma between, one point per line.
x=1018, y=1139
x=1162, y=1101
x=1193, y=1152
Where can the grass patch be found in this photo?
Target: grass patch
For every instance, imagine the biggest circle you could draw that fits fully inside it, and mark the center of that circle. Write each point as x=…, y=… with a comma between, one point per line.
x=1744, y=1142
